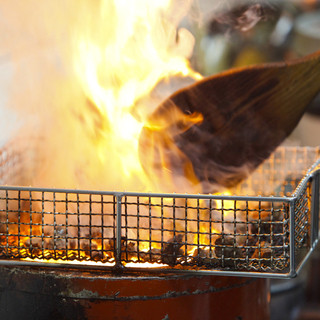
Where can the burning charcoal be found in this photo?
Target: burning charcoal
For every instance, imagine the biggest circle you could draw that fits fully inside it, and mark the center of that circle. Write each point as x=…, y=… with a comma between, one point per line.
x=267, y=255
x=90, y=245
x=108, y=245
x=144, y=256
x=250, y=246
x=34, y=246
x=172, y=250
x=276, y=237
x=97, y=255
x=153, y=255
x=111, y=243
x=107, y=256
x=269, y=228
x=203, y=257
x=226, y=250
x=72, y=255
x=48, y=244
x=263, y=253
x=128, y=250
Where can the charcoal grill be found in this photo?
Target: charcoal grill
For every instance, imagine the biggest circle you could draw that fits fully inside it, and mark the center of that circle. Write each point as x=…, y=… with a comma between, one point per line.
x=267, y=229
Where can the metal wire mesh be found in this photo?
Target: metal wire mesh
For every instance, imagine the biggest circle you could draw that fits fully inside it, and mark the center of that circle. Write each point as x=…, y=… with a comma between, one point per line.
x=267, y=235
x=56, y=225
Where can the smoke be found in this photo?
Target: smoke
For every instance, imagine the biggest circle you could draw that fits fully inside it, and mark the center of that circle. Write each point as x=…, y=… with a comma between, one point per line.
x=241, y=15
x=233, y=13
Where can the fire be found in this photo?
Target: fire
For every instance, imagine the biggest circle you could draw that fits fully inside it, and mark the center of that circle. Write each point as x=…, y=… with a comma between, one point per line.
x=119, y=58
x=90, y=74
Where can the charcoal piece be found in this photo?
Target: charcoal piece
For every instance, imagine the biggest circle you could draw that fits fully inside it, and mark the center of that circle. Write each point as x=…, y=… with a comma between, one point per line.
x=33, y=247
x=3, y=229
x=276, y=238
x=87, y=247
x=97, y=255
x=172, y=250
x=153, y=255
x=270, y=229
x=250, y=246
x=267, y=227
x=128, y=250
x=110, y=244
x=108, y=247
x=264, y=254
x=34, y=252
x=202, y=257
x=280, y=250
x=227, y=252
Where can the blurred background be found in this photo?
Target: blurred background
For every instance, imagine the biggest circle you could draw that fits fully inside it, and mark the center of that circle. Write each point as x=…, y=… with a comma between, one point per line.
x=258, y=32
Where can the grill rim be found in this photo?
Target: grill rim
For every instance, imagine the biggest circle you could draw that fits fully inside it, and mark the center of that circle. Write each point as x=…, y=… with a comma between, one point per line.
x=311, y=178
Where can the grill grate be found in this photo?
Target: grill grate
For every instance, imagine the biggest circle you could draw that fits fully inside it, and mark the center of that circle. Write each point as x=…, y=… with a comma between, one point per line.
x=268, y=234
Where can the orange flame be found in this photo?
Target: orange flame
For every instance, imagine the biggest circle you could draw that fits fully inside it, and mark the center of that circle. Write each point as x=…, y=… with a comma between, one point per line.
x=119, y=58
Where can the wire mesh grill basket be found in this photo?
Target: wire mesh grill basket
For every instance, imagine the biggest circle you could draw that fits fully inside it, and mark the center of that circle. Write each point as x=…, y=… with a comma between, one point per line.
x=266, y=229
